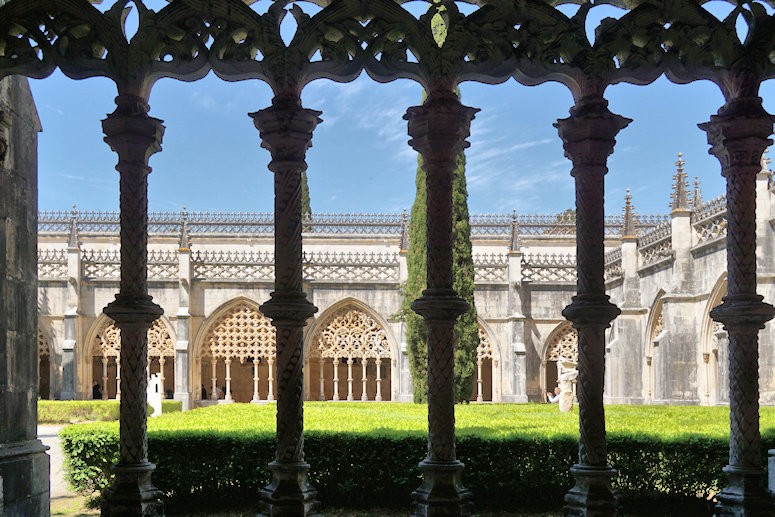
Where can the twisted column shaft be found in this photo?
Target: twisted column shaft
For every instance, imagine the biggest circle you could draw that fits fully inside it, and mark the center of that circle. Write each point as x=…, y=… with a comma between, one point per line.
x=286, y=131
x=438, y=129
x=588, y=137
x=738, y=136
x=134, y=136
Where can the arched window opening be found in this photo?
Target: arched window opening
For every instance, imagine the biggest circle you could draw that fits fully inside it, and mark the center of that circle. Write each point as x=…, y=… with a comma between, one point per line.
x=483, y=388
x=350, y=358
x=563, y=345
x=237, y=361
x=653, y=379
x=44, y=367
x=106, y=360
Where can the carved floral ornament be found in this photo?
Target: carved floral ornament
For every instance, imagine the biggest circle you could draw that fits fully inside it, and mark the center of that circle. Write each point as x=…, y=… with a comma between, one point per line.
x=529, y=40
x=44, y=350
x=484, y=350
x=160, y=343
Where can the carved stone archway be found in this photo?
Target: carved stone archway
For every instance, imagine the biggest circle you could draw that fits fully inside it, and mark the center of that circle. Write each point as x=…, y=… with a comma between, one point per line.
x=237, y=355
x=714, y=351
x=563, y=342
x=105, y=354
x=652, y=370
x=44, y=366
x=350, y=356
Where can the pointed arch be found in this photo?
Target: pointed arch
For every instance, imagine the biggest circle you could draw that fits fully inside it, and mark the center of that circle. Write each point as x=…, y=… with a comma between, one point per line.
x=714, y=383
x=234, y=354
x=488, y=364
x=101, y=357
x=349, y=340
x=655, y=333
x=44, y=365
x=563, y=342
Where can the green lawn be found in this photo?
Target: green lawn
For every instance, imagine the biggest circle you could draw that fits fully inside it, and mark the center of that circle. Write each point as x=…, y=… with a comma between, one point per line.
x=482, y=420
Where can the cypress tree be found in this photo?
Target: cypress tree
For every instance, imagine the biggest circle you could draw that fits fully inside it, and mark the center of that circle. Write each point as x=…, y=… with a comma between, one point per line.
x=467, y=327
x=416, y=260
x=306, y=209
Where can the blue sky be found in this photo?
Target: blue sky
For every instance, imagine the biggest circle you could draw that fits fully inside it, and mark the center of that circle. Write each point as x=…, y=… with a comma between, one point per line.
x=360, y=161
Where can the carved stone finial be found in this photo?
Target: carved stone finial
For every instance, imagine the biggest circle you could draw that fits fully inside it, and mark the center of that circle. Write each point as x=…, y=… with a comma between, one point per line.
x=404, y=230
x=697, y=194
x=185, y=241
x=628, y=223
x=514, y=244
x=680, y=196
x=72, y=240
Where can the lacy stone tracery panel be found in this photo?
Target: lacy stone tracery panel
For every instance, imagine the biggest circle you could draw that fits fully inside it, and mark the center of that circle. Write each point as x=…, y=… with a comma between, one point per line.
x=242, y=333
x=565, y=345
x=351, y=333
x=160, y=343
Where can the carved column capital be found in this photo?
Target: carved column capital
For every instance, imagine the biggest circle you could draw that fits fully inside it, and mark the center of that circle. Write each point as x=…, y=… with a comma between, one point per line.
x=286, y=132
x=131, y=133
x=589, y=134
x=439, y=127
x=739, y=134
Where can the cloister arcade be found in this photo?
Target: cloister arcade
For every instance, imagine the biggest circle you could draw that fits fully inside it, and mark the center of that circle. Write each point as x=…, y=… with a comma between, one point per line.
x=531, y=41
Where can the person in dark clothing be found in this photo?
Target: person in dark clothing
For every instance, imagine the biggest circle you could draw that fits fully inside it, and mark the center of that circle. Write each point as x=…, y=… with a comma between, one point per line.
x=96, y=391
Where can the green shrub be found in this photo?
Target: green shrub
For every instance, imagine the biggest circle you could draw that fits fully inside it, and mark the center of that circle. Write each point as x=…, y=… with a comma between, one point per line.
x=366, y=455
x=73, y=411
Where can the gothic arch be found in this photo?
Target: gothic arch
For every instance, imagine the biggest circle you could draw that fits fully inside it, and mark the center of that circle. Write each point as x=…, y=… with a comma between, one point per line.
x=237, y=330
x=346, y=337
x=714, y=384
x=655, y=333
x=563, y=341
x=99, y=357
x=44, y=364
x=488, y=366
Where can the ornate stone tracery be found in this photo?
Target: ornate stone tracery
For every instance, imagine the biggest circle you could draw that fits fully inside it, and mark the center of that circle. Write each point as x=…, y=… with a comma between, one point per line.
x=241, y=333
x=44, y=349
x=352, y=333
x=531, y=41
x=160, y=343
x=565, y=344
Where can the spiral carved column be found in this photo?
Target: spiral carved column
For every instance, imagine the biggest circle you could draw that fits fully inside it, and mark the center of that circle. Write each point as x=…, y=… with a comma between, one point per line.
x=134, y=136
x=438, y=129
x=286, y=131
x=588, y=137
x=738, y=136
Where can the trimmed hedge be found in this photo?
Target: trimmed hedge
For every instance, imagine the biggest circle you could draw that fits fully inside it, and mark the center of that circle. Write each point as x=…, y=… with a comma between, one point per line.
x=74, y=411
x=377, y=467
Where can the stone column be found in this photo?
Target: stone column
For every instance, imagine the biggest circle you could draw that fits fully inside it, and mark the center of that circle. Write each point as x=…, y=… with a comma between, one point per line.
x=134, y=136
x=24, y=464
x=438, y=129
x=515, y=360
x=738, y=136
x=69, y=377
x=183, y=388
x=588, y=137
x=286, y=131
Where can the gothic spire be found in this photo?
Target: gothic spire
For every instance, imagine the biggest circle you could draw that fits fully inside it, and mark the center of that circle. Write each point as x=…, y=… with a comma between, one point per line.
x=680, y=195
x=696, y=194
x=628, y=221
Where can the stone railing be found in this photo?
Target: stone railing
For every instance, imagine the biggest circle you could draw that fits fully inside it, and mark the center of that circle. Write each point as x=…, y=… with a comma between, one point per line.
x=491, y=267
x=613, y=265
x=52, y=264
x=656, y=245
x=492, y=226
x=549, y=268
x=710, y=220
x=349, y=266
x=106, y=265
x=220, y=265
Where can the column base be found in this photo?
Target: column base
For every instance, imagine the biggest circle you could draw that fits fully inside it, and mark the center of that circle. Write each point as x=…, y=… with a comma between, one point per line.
x=745, y=494
x=132, y=493
x=24, y=479
x=441, y=492
x=289, y=493
x=592, y=495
